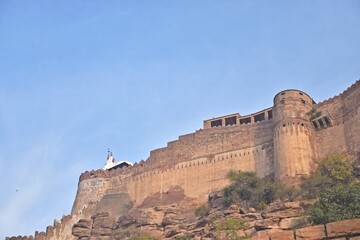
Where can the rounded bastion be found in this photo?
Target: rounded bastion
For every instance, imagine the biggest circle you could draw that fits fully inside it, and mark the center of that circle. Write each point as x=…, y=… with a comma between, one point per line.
x=293, y=136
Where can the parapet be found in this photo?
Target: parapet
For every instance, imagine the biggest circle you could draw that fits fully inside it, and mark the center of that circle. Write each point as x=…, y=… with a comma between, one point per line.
x=342, y=95
x=237, y=119
x=292, y=93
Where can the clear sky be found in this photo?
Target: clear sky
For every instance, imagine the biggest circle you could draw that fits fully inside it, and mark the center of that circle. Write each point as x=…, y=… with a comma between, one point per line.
x=78, y=77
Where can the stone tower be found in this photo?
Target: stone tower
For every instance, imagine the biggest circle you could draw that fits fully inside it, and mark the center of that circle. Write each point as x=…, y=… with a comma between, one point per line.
x=293, y=136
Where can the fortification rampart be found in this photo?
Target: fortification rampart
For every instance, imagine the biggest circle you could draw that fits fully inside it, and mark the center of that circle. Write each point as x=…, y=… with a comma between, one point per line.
x=197, y=163
x=61, y=229
x=280, y=140
x=203, y=143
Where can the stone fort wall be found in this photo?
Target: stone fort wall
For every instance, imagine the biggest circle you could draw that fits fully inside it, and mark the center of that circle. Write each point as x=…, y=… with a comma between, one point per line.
x=197, y=163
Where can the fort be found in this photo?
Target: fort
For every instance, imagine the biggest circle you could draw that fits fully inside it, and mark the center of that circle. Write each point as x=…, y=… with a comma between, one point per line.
x=284, y=142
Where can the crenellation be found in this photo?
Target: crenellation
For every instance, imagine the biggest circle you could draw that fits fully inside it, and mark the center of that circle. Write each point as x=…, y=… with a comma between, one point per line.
x=353, y=88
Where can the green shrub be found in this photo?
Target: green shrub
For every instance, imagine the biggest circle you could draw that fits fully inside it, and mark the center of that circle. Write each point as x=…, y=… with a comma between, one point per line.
x=230, y=226
x=337, y=168
x=337, y=203
x=247, y=187
x=290, y=193
x=336, y=190
x=201, y=211
x=313, y=113
x=330, y=172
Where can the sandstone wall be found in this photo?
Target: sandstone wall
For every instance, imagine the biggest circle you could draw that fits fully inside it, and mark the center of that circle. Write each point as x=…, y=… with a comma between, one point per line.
x=201, y=176
x=102, y=194
x=351, y=113
x=89, y=193
x=199, y=162
x=196, y=164
x=343, y=136
x=61, y=229
x=208, y=142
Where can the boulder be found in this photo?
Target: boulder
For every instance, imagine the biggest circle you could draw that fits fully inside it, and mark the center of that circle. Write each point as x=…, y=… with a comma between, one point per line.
x=286, y=213
x=104, y=222
x=170, y=232
x=275, y=206
x=173, y=219
x=125, y=221
x=343, y=228
x=232, y=209
x=81, y=232
x=313, y=233
x=101, y=232
x=100, y=215
x=243, y=210
x=295, y=222
x=252, y=210
x=291, y=204
x=266, y=224
x=217, y=203
x=274, y=234
x=84, y=223
x=252, y=216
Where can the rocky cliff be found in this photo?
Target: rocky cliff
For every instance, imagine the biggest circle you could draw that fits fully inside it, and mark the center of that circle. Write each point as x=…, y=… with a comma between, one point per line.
x=280, y=220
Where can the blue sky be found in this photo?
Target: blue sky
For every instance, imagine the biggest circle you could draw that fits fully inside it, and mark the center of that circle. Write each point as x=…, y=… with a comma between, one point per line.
x=78, y=77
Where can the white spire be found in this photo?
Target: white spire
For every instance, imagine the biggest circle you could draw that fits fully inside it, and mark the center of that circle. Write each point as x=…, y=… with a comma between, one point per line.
x=110, y=160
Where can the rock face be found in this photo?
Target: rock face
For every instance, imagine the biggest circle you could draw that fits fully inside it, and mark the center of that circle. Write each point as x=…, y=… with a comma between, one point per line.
x=82, y=228
x=279, y=221
x=99, y=227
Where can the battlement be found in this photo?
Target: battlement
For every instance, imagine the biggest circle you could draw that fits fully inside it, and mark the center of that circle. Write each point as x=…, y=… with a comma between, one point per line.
x=353, y=88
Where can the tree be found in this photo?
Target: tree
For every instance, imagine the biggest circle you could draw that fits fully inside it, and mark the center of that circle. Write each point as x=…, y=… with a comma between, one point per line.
x=333, y=185
x=246, y=187
x=228, y=228
x=330, y=172
x=337, y=203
